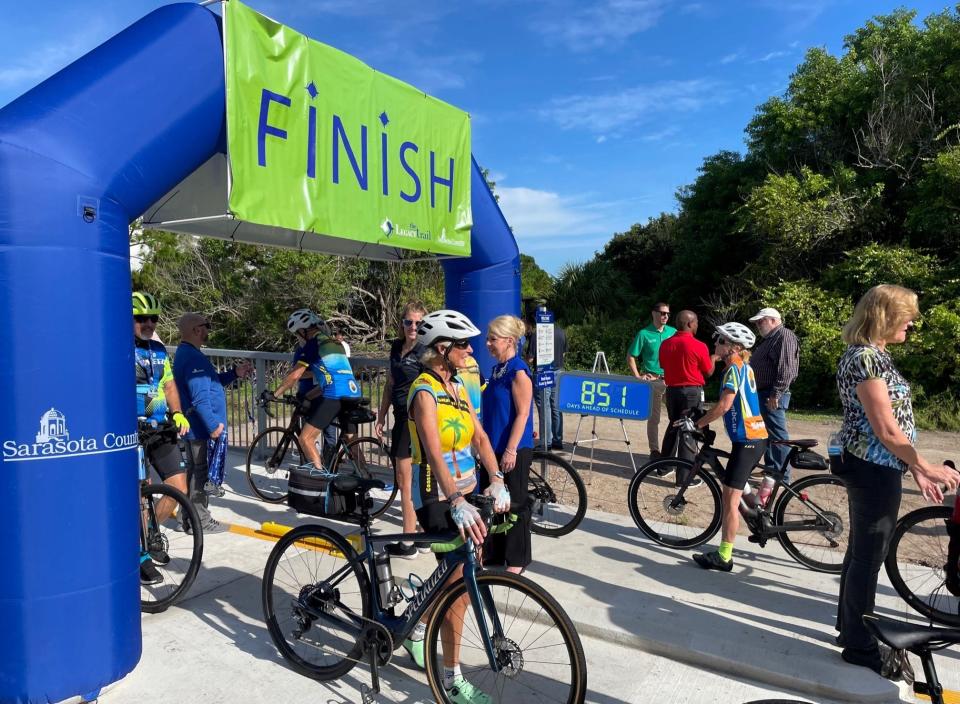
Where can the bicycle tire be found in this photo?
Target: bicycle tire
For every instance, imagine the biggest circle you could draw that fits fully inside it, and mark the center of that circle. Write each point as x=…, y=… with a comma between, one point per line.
x=270, y=484
x=375, y=463
x=915, y=564
x=522, y=610
x=291, y=582
x=555, y=488
x=184, y=550
x=682, y=527
x=820, y=549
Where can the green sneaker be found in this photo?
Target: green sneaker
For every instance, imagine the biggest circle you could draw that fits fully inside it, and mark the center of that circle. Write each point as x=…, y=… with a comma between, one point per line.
x=462, y=692
x=415, y=648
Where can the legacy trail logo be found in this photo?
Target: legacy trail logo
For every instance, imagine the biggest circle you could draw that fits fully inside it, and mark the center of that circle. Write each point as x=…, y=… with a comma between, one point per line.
x=53, y=441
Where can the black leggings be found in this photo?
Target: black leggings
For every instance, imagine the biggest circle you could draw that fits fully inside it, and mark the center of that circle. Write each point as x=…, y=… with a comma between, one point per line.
x=873, y=494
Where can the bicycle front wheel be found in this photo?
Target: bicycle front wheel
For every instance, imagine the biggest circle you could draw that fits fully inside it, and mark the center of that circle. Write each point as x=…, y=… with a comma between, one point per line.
x=368, y=458
x=663, y=515
x=917, y=561
x=176, y=555
x=538, y=654
x=557, y=495
x=818, y=522
x=272, y=454
x=315, y=601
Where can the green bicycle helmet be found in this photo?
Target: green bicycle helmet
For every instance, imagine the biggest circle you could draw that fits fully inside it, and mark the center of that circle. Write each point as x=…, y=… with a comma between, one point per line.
x=145, y=304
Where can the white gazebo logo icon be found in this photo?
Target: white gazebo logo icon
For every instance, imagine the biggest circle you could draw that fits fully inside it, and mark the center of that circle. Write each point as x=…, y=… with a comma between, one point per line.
x=53, y=426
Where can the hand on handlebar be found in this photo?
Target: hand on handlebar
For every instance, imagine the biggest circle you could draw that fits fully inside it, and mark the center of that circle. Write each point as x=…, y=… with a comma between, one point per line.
x=501, y=496
x=268, y=397
x=468, y=521
x=180, y=420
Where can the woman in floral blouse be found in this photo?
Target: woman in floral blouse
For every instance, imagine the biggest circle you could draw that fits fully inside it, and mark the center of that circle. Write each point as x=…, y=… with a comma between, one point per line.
x=878, y=438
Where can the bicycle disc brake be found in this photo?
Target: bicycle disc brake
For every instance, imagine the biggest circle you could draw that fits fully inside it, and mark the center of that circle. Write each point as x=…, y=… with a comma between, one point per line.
x=674, y=505
x=509, y=656
x=835, y=531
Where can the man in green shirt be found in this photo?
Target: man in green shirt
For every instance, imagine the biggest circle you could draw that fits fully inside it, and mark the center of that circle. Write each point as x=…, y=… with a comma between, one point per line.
x=646, y=348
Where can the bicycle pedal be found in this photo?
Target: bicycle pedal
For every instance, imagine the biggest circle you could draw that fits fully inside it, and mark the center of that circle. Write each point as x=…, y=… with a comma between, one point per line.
x=760, y=540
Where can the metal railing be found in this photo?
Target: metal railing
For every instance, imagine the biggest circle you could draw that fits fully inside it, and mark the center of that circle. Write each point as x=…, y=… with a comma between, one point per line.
x=245, y=418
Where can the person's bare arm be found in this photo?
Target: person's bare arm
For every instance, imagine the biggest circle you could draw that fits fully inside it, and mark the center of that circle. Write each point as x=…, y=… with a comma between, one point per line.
x=522, y=394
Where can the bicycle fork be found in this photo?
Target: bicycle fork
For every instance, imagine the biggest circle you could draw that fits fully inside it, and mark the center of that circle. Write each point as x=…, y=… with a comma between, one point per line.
x=483, y=601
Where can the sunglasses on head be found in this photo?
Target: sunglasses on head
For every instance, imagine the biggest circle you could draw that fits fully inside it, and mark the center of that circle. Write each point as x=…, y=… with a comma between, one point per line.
x=146, y=318
x=407, y=323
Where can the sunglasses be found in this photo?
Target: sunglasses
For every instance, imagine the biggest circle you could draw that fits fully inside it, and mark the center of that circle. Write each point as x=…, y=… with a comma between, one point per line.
x=146, y=318
x=407, y=323
x=460, y=344
x=663, y=312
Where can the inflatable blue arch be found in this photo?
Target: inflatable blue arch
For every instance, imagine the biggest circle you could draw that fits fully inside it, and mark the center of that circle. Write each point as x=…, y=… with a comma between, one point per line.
x=81, y=156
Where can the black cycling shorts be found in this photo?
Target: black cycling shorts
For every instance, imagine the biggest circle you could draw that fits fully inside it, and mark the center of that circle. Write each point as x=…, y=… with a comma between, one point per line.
x=744, y=457
x=165, y=458
x=324, y=410
x=400, y=438
x=434, y=517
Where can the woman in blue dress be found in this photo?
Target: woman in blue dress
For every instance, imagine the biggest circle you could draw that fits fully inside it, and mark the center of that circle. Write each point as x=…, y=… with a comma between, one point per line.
x=508, y=421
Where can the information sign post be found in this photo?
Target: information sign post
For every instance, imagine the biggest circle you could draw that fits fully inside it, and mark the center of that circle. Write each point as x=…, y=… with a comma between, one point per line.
x=545, y=376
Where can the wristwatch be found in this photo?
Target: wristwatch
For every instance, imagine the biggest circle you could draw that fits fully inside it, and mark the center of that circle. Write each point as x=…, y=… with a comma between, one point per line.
x=455, y=495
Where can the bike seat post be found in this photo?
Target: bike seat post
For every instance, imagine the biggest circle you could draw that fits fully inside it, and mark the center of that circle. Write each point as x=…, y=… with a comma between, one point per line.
x=933, y=686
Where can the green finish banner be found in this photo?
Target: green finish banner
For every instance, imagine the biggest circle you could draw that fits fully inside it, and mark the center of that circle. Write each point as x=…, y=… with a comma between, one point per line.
x=320, y=142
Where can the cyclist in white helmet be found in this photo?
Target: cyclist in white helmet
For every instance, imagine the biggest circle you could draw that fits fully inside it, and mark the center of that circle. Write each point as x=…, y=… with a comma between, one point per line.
x=740, y=407
x=444, y=434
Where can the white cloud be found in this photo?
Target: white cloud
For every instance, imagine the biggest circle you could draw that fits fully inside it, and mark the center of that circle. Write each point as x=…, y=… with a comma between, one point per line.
x=604, y=24
x=771, y=55
x=730, y=58
x=601, y=139
x=660, y=135
x=629, y=108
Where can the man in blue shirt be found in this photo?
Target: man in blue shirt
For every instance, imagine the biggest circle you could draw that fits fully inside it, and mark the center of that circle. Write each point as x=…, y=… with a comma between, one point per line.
x=201, y=393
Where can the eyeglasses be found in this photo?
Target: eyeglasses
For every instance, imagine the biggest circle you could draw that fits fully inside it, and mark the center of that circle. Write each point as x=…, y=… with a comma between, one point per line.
x=407, y=323
x=146, y=318
x=663, y=312
x=460, y=344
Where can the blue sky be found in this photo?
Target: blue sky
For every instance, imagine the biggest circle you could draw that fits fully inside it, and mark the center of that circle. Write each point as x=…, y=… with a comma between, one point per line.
x=589, y=115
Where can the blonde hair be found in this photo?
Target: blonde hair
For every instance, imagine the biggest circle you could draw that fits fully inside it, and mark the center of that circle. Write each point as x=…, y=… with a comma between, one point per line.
x=507, y=326
x=879, y=313
x=413, y=307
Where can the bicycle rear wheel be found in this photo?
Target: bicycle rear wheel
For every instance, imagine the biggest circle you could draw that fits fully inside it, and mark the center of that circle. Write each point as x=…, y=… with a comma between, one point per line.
x=272, y=454
x=916, y=564
x=823, y=545
x=537, y=649
x=176, y=555
x=315, y=599
x=666, y=518
x=557, y=495
x=368, y=458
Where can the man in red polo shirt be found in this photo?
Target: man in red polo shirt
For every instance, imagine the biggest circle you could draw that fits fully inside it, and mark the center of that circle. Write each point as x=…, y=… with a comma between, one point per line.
x=686, y=363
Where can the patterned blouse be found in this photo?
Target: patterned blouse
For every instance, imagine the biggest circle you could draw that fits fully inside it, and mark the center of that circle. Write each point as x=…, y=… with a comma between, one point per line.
x=858, y=364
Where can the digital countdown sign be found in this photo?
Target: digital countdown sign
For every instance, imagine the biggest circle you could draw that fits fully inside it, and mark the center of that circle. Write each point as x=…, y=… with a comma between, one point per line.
x=607, y=395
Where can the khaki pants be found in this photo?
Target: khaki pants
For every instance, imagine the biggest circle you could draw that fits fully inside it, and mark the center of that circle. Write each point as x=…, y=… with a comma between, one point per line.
x=657, y=389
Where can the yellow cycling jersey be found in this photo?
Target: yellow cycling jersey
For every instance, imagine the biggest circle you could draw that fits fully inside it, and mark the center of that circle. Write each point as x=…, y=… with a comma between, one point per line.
x=455, y=426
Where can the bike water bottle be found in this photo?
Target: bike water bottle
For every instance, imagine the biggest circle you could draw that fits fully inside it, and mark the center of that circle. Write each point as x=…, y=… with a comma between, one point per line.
x=766, y=488
x=384, y=578
x=834, y=450
x=749, y=498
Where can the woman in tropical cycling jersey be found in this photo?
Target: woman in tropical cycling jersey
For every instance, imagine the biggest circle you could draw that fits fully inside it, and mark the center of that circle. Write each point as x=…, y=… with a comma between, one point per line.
x=444, y=434
x=740, y=407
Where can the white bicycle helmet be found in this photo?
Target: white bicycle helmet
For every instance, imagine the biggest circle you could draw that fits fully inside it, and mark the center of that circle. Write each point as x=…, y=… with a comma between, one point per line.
x=737, y=333
x=445, y=325
x=302, y=319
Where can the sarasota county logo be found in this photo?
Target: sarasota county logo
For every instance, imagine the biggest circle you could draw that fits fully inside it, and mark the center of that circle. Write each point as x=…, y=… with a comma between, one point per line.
x=53, y=441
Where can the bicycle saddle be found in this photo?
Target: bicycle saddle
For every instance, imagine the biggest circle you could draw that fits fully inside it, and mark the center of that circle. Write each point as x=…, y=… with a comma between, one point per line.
x=347, y=483
x=797, y=443
x=909, y=636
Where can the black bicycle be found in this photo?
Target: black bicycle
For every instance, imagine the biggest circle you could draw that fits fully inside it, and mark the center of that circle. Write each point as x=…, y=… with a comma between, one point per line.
x=328, y=608
x=809, y=517
x=557, y=494
x=922, y=641
x=175, y=554
x=276, y=450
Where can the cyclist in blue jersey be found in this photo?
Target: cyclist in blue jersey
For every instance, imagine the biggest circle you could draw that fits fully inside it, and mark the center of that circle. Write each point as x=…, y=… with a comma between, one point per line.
x=156, y=396
x=334, y=385
x=739, y=405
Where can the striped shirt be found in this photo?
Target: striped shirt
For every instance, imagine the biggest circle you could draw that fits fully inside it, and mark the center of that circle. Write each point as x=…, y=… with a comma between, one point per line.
x=776, y=361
